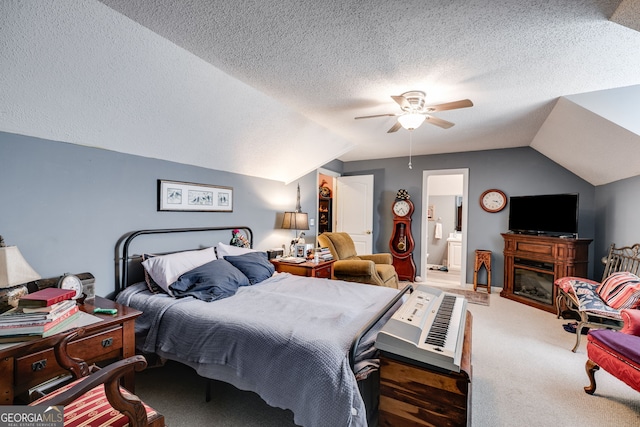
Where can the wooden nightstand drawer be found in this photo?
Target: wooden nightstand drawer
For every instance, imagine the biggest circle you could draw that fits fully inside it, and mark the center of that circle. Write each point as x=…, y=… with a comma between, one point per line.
x=324, y=272
x=36, y=368
x=98, y=347
x=41, y=366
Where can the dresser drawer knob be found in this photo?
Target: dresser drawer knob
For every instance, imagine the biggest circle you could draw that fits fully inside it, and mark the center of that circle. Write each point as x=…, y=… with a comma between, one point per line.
x=107, y=342
x=39, y=365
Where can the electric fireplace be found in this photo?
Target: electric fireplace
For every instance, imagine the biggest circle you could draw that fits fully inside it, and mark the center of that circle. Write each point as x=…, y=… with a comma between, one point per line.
x=532, y=263
x=536, y=285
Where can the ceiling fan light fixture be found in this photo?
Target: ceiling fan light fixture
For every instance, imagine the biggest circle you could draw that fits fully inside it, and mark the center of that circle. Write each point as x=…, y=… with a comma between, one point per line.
x=411, y=121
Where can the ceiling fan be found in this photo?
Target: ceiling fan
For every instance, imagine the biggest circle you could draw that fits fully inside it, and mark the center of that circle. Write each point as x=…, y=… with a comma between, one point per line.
x=415, y=111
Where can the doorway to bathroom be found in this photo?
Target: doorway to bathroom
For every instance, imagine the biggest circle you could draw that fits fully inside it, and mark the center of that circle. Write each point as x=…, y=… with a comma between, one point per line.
x=444, y=226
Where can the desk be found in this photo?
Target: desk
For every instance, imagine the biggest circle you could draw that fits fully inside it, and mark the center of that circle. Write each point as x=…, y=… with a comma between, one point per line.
x=111, y=339
x=323, y=269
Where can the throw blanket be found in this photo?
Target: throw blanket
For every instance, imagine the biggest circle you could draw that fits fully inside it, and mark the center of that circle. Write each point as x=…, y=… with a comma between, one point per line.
x=286, y=339
x=589, y=300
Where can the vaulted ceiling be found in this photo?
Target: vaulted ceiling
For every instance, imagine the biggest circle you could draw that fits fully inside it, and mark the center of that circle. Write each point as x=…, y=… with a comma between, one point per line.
x=270, y=88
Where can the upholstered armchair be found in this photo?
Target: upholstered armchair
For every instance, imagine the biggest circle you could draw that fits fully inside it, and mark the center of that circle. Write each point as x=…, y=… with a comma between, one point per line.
x=375, y=269
x=95, y=396
x=617, y=352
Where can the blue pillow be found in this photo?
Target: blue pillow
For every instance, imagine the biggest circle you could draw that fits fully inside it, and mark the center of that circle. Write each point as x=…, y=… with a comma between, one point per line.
x=212, y=281
x=255, y=265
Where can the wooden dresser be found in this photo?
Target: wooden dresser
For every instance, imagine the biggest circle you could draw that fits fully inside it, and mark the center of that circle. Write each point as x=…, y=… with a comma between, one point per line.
x=414, y=394
x=111, y=339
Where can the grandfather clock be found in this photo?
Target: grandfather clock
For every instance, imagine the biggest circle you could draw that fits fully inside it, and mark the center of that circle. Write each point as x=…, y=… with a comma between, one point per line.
x=401, y=243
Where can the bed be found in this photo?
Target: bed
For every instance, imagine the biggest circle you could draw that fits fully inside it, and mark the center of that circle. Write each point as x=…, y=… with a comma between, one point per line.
x=304, y=344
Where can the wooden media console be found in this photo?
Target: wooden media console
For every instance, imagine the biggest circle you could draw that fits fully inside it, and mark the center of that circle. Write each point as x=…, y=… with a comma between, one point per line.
x=532, y=263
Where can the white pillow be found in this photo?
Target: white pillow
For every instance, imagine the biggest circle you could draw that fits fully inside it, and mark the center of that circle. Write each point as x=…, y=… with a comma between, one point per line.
x=166, y=269
x=224, y=250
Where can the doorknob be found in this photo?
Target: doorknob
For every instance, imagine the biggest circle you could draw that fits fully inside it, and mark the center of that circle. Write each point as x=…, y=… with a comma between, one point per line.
x=368, y=232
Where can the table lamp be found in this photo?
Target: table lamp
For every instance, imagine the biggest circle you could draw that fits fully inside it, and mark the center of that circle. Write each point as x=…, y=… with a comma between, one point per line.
x=14, y=269
x=296, y=220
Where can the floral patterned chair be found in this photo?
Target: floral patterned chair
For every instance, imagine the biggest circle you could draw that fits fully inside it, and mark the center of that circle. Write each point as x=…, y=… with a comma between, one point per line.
x=598, y=304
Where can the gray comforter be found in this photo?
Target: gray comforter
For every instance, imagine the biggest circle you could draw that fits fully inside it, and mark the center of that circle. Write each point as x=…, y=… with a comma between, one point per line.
x=286, y=339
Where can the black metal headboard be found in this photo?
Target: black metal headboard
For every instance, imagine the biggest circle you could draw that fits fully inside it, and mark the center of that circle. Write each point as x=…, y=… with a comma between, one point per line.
x=123, y=260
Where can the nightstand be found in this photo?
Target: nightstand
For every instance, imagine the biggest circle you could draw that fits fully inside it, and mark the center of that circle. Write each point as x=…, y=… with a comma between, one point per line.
x=110, y=339
x=322, y=270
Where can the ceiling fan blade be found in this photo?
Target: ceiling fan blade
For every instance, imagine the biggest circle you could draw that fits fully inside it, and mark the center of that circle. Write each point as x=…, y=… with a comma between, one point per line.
x=463, y=103
x=439, y=122
x=376, y=115
x=402, y=102
x=395, y=127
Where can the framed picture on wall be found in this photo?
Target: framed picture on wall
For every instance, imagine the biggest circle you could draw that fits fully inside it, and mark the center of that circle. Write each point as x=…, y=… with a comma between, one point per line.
x=191, y=197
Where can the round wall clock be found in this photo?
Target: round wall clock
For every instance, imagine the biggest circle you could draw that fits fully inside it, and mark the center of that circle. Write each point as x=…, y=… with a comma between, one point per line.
x=493, y=200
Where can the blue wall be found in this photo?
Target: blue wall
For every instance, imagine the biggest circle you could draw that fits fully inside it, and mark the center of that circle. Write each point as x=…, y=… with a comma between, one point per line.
x=617, y=217
x=516, y=171
x=65, y=206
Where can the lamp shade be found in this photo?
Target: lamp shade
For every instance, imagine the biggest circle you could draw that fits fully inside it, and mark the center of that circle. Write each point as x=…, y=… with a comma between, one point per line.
x=295, y=221
x=14, y=269
x=411, y=121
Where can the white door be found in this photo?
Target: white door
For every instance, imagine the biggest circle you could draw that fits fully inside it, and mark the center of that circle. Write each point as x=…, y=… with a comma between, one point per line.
x=354, y=213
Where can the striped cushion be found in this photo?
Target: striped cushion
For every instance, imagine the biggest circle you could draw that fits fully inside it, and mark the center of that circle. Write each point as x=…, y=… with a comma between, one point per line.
x=93, y=409
x=620, y=290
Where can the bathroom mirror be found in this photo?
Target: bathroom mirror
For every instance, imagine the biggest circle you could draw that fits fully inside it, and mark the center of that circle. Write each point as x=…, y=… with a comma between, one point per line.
x=458, y=216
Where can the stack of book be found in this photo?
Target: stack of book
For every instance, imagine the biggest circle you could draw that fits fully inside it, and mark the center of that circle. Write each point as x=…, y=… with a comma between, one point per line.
x=40, y=314
x=325, y=254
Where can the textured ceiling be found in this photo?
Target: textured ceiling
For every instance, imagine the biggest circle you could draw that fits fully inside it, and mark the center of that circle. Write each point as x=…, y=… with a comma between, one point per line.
x=270, y=88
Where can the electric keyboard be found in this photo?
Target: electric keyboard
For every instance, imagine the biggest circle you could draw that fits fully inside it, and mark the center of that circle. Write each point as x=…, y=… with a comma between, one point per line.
x=428, y=327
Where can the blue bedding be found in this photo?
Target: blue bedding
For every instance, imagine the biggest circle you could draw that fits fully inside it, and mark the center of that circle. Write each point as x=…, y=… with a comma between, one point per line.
x=286, y=338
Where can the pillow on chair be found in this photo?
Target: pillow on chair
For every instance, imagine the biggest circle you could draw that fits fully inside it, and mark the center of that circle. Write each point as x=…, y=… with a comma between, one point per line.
x=620, y=290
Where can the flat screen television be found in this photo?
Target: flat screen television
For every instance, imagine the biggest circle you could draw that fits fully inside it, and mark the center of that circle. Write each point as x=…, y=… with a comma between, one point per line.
x=551, y=214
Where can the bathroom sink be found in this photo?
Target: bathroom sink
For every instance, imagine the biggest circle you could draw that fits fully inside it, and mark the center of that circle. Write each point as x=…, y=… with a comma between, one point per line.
x=454, y=237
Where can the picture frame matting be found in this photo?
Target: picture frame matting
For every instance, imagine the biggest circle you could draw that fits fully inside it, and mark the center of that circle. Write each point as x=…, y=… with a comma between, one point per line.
x=193, y=197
